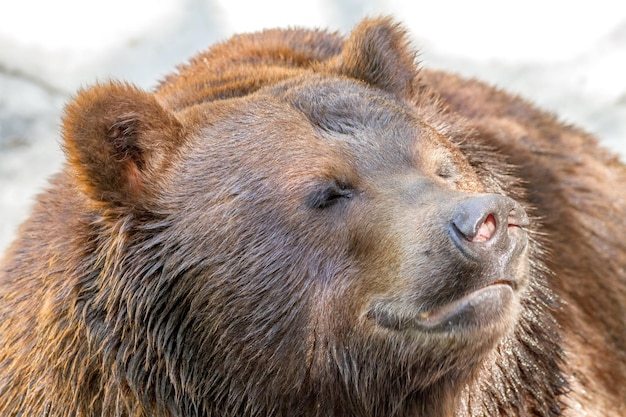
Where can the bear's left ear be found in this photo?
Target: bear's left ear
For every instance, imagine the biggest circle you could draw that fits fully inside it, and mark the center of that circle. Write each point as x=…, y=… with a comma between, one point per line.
x=378, y=53
x=119, y=140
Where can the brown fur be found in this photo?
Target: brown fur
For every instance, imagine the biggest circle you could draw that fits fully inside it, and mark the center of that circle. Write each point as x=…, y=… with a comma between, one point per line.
x=223, y=246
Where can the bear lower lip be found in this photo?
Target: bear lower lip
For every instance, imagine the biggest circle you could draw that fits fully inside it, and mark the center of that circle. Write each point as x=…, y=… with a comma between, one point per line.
x=481, y=307
x=484, y=307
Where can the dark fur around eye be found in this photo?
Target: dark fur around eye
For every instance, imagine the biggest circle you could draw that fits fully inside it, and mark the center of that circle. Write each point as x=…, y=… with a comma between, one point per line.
x=329, y=195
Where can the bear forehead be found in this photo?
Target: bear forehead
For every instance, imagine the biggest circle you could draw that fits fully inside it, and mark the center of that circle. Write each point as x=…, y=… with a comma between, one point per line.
x=314, y=118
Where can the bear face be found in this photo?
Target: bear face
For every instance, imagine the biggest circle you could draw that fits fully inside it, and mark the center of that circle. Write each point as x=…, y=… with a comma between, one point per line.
x=295, y=223
x=359, y=181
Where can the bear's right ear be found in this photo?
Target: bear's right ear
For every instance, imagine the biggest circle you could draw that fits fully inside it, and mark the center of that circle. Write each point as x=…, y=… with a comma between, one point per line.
x=118, y=140
x=378, y=53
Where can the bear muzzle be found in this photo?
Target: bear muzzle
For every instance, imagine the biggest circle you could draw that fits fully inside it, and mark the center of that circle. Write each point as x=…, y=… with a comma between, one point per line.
x=488, y=248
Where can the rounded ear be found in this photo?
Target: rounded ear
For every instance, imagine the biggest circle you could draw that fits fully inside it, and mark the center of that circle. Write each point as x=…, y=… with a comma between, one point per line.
x=118, y=139
x=378, y=53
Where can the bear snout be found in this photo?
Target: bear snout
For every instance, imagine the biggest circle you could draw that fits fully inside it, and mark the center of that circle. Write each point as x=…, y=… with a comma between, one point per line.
x=487, y=226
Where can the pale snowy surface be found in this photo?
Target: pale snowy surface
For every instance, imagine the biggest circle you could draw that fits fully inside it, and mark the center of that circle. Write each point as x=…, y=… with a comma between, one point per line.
x=568, y=57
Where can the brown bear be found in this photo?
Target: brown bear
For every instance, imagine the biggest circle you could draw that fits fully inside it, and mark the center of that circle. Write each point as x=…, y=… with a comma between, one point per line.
x=301, y=224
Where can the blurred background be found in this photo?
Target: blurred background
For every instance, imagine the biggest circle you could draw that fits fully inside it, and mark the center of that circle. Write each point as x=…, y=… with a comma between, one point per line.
x=567, y=57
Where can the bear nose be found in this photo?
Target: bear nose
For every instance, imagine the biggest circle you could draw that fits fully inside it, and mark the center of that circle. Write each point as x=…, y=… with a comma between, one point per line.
x=487, y=220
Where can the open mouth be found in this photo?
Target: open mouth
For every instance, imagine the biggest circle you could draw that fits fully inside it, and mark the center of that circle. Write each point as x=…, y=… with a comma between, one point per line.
x=486, y=306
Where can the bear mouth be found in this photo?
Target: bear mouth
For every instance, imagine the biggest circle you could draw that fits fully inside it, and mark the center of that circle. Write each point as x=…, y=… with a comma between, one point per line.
x=485, y=307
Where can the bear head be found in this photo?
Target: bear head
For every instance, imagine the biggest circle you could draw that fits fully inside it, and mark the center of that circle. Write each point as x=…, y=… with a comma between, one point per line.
x=277, y=233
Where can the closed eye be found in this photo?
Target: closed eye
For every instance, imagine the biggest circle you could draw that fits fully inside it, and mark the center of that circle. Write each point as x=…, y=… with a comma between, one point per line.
x=446, y=171
x=330, y=195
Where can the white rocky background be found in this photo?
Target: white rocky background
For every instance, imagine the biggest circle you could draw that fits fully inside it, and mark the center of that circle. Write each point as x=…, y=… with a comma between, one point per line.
x=568, y=57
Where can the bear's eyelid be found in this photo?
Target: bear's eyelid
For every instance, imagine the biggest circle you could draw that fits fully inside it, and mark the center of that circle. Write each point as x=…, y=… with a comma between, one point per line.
x=331, y=194
x=446, y=170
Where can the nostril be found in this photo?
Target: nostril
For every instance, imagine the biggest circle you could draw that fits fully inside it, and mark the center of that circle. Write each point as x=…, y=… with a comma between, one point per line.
x=488, y=225
x=485, y=217
x=486, y=230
